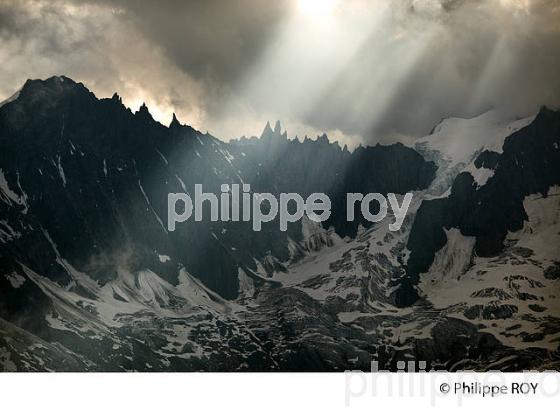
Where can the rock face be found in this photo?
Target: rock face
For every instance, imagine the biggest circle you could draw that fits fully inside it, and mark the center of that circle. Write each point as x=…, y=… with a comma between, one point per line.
x=90, y=278
x=96, y=179
x=529, y=164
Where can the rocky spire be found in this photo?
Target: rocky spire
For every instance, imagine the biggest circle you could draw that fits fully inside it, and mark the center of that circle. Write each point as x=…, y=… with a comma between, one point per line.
x=144, y=113
x=174, y=122
x=323, y=139
x=277, y=128
x=267, y=132
x=117, y=98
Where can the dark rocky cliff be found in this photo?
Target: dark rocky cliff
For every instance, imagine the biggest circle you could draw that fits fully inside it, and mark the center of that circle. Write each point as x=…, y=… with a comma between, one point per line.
x=95, y=179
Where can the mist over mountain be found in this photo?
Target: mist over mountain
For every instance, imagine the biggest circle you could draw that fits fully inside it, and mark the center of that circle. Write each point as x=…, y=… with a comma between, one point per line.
x=363, y=71
x=91, y=276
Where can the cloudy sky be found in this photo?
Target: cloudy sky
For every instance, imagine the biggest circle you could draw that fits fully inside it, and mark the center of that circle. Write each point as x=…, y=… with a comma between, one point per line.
x=360, y=70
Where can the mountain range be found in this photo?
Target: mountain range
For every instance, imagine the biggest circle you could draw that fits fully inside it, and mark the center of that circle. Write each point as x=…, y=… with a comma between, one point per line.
x=90, y=278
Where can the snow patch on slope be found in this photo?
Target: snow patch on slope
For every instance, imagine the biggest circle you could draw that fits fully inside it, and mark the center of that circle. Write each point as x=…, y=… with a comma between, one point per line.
x=7, y=233
x=450, y=262
x=481, y=175
x=8, y=195
x=540, y=233
x=16, y=280
x=508, y=295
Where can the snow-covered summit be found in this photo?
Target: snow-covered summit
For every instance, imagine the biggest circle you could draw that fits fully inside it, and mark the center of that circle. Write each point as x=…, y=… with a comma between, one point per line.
x=460, y=139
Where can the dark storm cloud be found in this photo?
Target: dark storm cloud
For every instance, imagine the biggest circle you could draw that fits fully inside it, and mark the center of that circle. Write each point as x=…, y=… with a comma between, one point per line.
x=214, y=38
x=483, y=55
x=229, y=65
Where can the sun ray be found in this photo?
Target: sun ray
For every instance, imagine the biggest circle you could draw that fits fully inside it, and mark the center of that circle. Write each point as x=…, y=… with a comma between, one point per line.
x=317, y=8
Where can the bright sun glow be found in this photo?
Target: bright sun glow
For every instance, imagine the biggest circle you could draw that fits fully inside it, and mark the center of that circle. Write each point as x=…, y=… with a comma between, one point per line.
x=317, y=8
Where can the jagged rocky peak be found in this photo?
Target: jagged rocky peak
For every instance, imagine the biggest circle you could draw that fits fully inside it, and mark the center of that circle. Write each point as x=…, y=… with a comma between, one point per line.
x=144, y=113
x=55, y=83
x=268, y=132
x=117, y=98
x=174, y=122
x=323, y=139
x=277, y=128
x=143, y=108
x=55, y=80
x=37, y=96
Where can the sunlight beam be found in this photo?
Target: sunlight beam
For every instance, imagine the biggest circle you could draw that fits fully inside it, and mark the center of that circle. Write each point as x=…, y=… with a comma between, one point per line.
x=317, y=8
